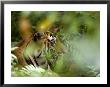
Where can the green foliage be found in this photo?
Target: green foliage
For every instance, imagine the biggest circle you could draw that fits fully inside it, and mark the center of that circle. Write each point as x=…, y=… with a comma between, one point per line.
x=79, y=33
x=14, y=26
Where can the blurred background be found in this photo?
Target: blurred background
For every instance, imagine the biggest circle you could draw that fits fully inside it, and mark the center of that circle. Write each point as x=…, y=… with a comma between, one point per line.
x=79, y=32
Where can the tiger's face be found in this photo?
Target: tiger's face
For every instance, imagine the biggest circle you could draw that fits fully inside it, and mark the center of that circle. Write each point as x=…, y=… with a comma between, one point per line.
x=46, y=37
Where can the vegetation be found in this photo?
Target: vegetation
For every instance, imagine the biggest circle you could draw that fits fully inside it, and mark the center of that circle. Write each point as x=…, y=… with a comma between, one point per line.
x=75, y=53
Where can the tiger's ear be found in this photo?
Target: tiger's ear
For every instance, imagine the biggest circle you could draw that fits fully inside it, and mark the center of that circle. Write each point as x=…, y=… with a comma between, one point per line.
x=55, y=30
x=37, y=36
x=34, y=37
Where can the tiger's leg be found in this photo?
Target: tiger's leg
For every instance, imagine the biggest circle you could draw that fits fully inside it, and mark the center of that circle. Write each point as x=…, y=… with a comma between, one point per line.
x=19, y=55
